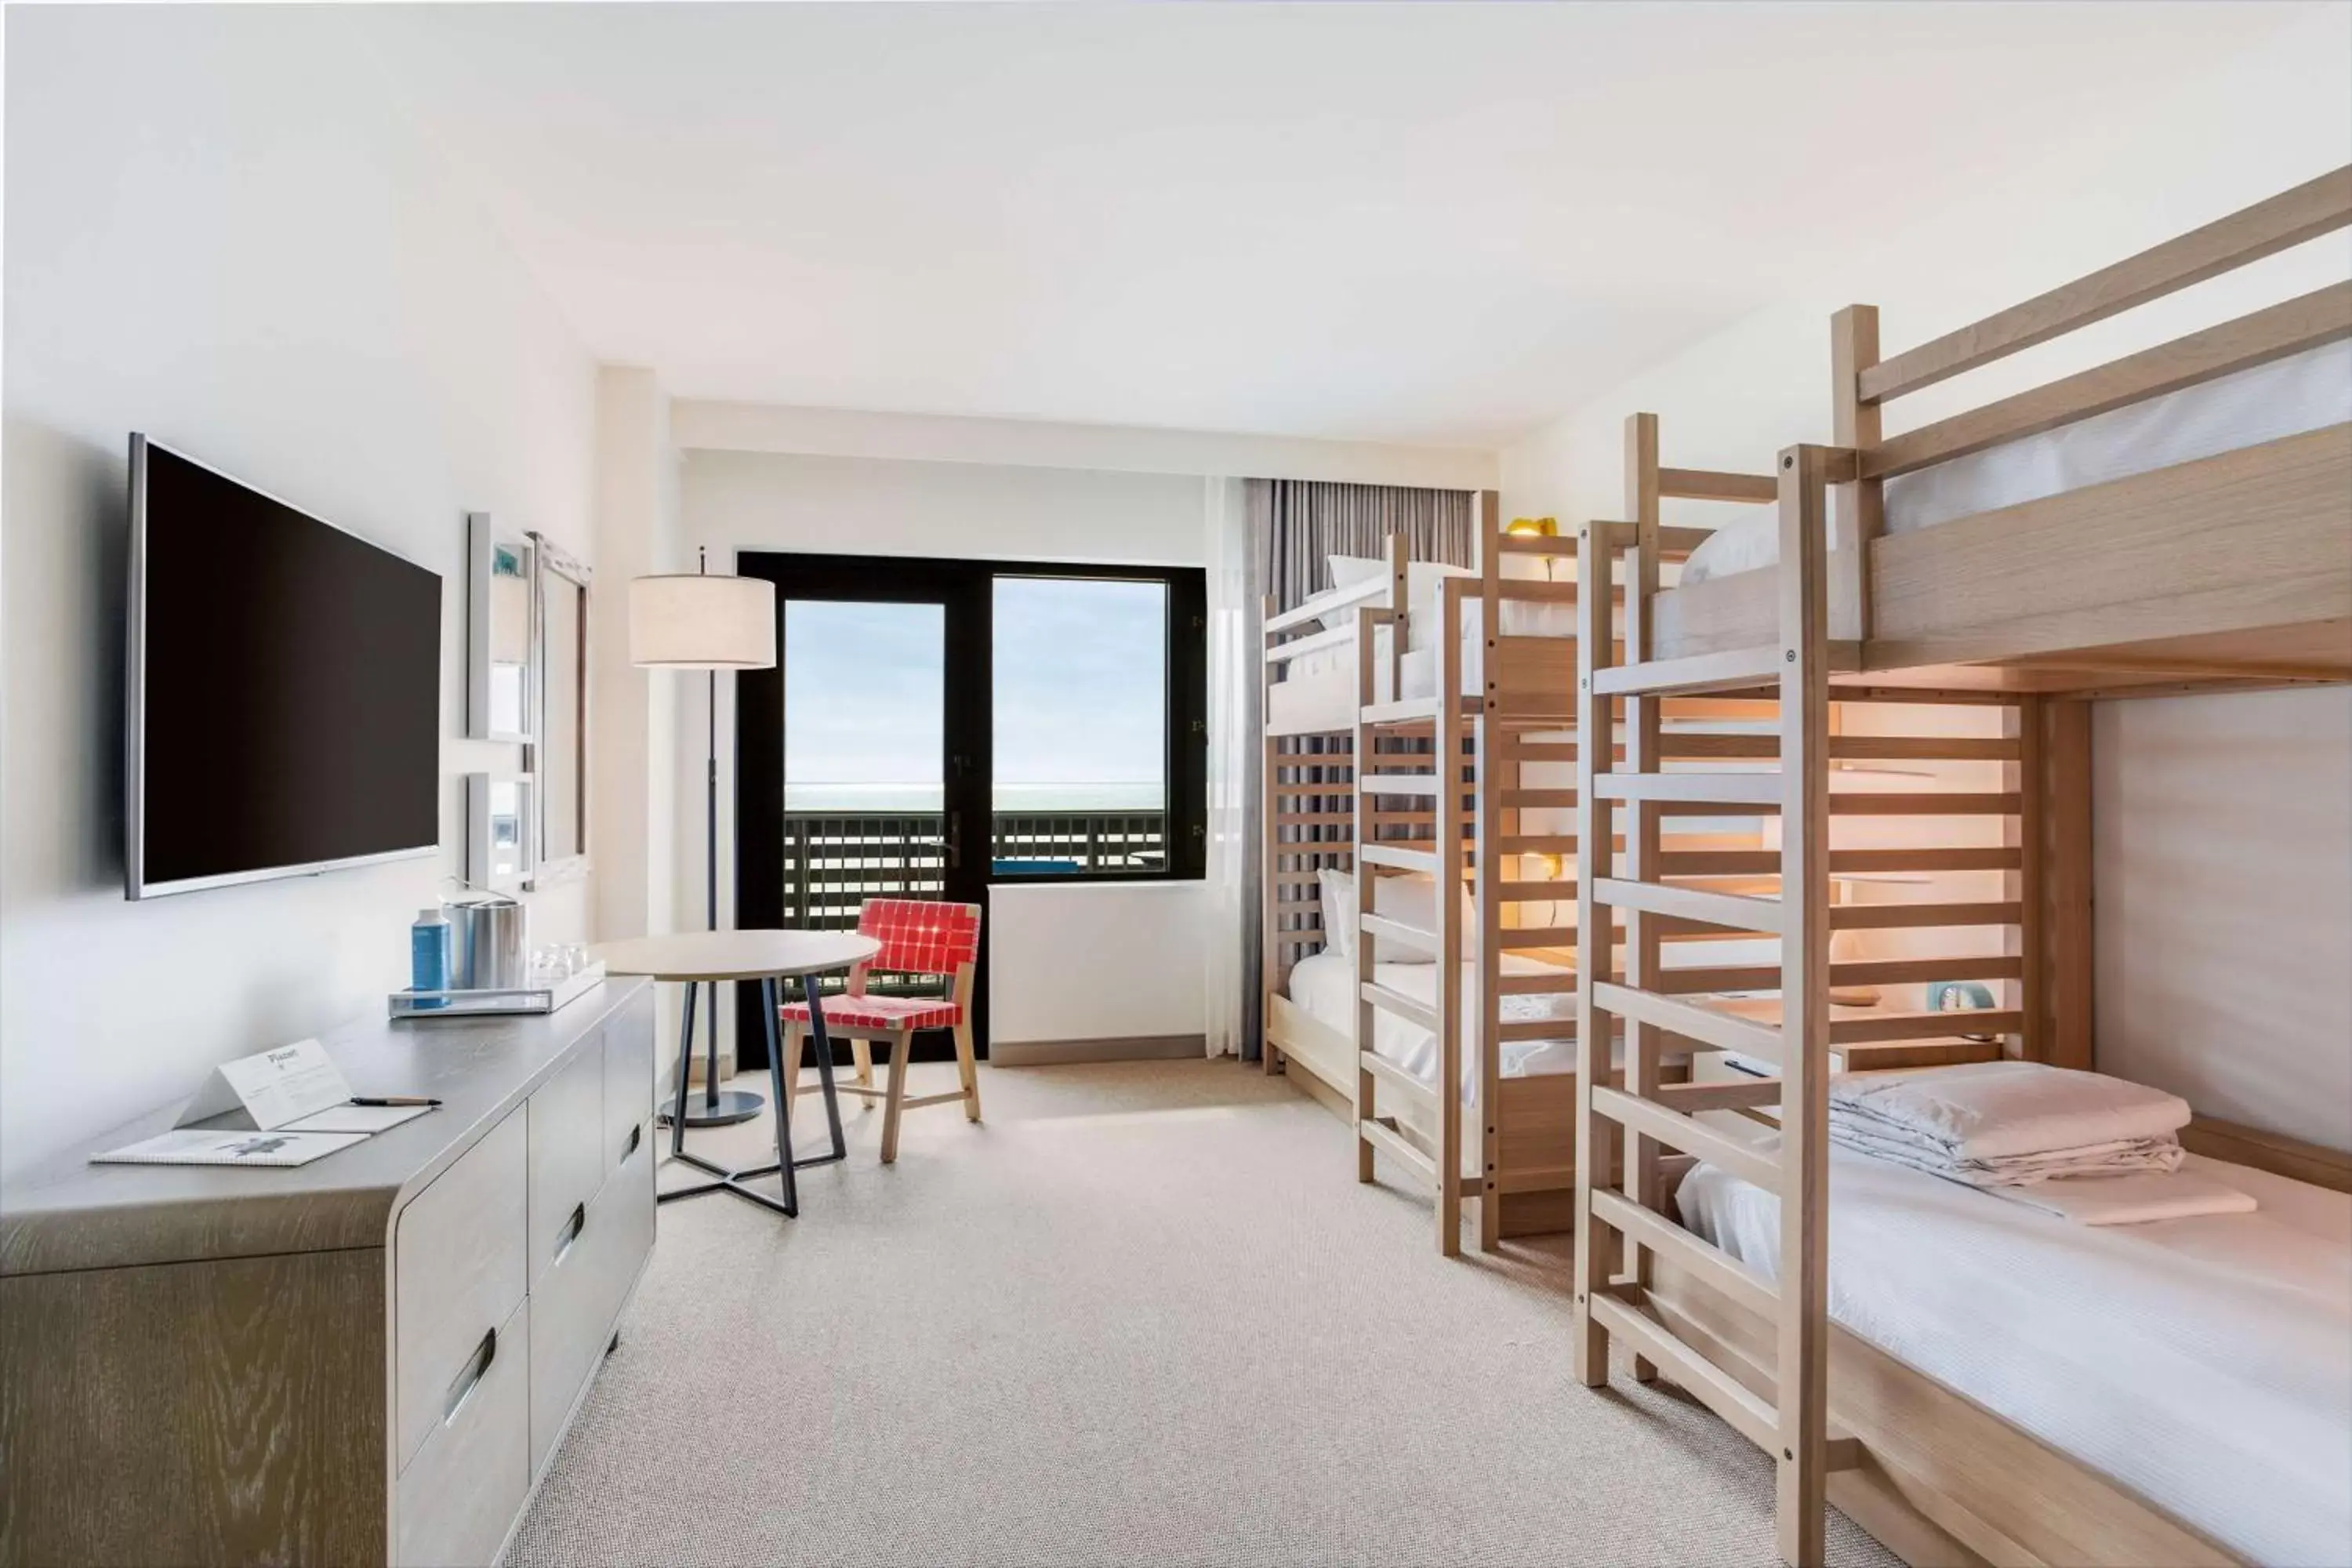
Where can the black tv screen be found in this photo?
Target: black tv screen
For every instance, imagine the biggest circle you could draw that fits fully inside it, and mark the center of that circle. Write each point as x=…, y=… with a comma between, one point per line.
x=285, y=688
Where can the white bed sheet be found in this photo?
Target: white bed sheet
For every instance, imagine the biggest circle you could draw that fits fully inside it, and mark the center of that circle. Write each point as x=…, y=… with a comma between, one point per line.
x=2206, y=1364
x=1325, y=985
x=2308, y=390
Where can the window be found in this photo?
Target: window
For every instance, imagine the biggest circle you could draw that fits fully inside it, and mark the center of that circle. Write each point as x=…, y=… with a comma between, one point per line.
x=1082, y=742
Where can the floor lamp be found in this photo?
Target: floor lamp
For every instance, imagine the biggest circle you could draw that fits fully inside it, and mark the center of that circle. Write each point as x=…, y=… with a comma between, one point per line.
x=709, y=624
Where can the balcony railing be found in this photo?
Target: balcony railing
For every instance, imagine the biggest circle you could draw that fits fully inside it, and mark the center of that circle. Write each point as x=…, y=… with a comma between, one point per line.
x=836, y=860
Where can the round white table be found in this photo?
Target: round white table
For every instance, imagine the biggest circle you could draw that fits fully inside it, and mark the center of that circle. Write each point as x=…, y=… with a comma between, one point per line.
x=694, y=959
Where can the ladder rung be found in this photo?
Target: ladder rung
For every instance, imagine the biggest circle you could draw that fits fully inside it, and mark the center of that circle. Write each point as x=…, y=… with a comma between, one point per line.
x=1732, y=668
x=1559, y=798
x=1921, y=803
x=1413, y=937
x=1395, y=1077
x=1389, y=1141
x=1538, y=985
x=1398, y=784
x=1517, y=939
x=1758, y=790
x=1704, y=1025
x=1711, y=1263
x=1843, y=862
x=1696, y=1139
x=1525, y=592
x=1404, y=712
x=1748, y=1414
x=1399, y=858
x=1733, y=911
x=1406, y=1007
x=1537, y=1029
x=1535, y=893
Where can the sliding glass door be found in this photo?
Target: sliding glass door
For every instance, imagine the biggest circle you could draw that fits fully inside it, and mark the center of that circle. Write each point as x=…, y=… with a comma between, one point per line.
x=934, y=727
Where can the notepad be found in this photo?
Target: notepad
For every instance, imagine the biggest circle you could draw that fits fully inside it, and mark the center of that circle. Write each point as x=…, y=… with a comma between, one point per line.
x=195, y=1146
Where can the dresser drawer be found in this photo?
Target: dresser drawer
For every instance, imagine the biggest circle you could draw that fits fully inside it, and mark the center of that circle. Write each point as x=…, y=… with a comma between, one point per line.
x=628, y=1078
x=568, y=1156
x=575, y=1301
x=460, y=1264
x=459, y=1496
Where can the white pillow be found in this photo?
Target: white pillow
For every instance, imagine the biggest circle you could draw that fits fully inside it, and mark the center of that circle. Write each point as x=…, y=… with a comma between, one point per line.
x=1338, y=912
x=1410, y=900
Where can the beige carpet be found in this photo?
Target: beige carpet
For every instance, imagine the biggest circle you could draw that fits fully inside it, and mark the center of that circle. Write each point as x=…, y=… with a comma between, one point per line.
x=1144, y=1314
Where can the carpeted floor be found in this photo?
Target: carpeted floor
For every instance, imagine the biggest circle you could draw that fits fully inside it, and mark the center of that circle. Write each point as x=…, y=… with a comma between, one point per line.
x=1144, y=1314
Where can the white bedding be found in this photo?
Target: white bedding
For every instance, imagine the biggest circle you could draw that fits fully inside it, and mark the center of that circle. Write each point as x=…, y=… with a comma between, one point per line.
x=1325, y=985
x=2308, y=390
x=2206, y=1364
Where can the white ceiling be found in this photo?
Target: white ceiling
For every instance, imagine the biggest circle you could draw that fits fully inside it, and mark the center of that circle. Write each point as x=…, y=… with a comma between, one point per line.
x=1431, y=223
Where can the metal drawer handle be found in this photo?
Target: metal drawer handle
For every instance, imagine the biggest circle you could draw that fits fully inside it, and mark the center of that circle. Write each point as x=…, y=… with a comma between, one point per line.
x=571, y=1231
x=636, y=1136
x=477, y=1367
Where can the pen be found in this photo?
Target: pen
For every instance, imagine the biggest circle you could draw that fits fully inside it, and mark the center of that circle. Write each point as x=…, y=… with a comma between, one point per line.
x=393, y=1100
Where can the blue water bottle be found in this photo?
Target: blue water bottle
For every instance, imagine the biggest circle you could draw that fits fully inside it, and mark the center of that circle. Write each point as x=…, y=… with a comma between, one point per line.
x=428, y=954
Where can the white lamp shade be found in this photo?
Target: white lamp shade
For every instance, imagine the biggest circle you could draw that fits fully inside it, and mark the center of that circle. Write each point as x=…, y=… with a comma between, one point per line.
x=702, y=623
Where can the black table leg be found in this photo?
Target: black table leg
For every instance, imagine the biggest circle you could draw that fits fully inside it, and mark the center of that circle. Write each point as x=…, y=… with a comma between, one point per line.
x=789, y=1205
x=824, y=1068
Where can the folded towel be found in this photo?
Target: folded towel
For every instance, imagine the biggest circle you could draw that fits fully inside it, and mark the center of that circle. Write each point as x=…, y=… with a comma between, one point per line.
x=2130, y=1200
x=1996, y=1111
x=2113, y=1158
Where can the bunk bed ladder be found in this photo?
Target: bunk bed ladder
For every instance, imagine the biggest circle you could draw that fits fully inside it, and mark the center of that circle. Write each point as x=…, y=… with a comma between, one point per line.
x=1618, y=1200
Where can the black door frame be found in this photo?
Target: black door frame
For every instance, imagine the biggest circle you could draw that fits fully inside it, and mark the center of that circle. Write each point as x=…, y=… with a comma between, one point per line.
x=967, y=589
x=968, y=738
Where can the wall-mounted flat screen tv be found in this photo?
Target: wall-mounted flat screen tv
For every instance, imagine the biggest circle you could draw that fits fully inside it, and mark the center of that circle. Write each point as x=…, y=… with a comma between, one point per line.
x=284, y=684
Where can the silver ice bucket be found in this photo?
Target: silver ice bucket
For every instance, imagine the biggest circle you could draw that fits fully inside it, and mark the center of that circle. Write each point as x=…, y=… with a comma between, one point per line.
x=486, y=944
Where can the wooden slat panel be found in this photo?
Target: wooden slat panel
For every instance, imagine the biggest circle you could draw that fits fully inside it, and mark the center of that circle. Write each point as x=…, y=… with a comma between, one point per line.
x=1517, y=939
x=1843, y=862
x=1714, y=1387
x=2323, y=316
x=1923, y=1026
x=1393, y=1145
x=1397, y=1079
x=1894, y=917
x=1401, y=859
x=1867, y=972
x=1398, y=932
x=2284, y=220
x=1411, y=1009
x=1748, y=790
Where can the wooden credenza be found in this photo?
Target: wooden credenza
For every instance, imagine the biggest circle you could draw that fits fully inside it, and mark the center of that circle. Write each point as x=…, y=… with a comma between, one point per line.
x=364, y=1360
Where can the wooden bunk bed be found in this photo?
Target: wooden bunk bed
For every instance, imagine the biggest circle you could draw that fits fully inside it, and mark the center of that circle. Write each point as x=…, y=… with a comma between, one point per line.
x=2217, y=572
x=1353, y=784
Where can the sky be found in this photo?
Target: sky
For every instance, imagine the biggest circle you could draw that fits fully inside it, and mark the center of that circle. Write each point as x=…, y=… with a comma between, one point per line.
x=1080, y=697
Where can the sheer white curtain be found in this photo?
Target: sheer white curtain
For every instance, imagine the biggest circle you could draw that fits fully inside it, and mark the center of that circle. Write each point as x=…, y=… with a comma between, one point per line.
x=1233, y=732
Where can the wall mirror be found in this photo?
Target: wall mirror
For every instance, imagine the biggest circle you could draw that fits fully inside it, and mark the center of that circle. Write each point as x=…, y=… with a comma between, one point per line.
x=559, y=713
x=498, y=836
x=499, y=576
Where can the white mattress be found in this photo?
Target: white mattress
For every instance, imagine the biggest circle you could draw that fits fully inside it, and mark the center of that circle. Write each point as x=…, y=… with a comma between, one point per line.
x=2205, y=1363
x=2308, y=390
x=1325, y=985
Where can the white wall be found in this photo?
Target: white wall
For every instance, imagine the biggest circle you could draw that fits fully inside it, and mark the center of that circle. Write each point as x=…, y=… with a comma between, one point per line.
x=2274, y=116
x=1060, y=958
x=214, y=238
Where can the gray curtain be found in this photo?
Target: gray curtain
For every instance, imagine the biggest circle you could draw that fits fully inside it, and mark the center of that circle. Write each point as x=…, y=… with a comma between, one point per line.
x=1295, y=525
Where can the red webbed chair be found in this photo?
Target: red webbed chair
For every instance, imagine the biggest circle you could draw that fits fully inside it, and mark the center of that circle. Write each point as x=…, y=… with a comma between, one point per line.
x=918, y=937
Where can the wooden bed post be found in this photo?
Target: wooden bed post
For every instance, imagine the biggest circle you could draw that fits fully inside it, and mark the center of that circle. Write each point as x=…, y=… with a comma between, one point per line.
x=2026, y=886
x=2067, y=948
x=1643, y=1041
x=1447, y=766
x=1803, y=1364
x=1269, y=837
x=1861, y=504
x=1596, y=1142
x=1367, y=1102
x=1495, y=769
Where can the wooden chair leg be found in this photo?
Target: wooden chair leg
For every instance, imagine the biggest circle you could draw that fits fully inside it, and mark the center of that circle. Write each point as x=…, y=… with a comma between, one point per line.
x=968, y=1068
x=901, y=1047
x=793, y=1033
x=861, y=1051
